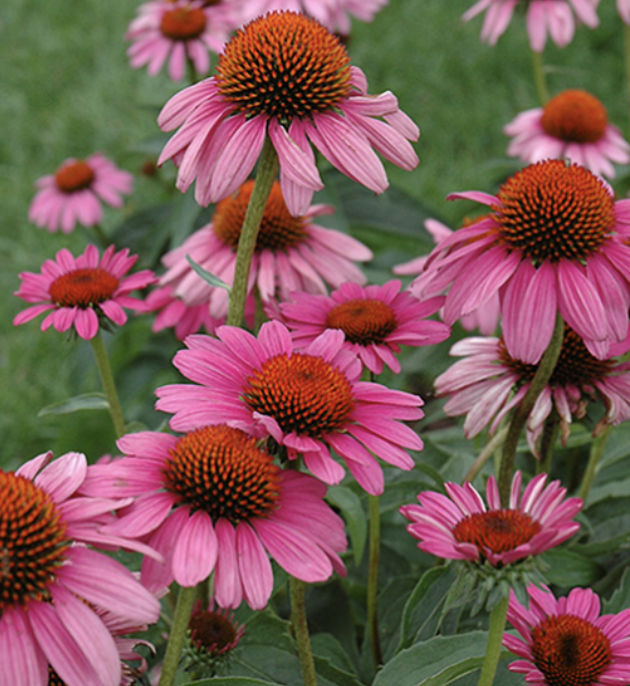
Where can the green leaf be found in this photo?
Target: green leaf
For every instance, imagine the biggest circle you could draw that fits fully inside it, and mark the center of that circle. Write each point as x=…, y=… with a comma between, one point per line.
x=353, y=514
x=232, y=681
x=87, y=401
x=620, y=600
x=568, y=569
x=209, y=278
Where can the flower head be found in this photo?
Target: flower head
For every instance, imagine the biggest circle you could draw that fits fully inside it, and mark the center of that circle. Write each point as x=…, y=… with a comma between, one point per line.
x=52, y=581
x=555, y=241
x=553, y=16
x=461, y=527
x=566, y=641
x=284, y=75
x=572, y=125
x=82, y=292
x=213, y=500
x=74, y=193
x=308, y=401
x=375, y=320
x=213, y=631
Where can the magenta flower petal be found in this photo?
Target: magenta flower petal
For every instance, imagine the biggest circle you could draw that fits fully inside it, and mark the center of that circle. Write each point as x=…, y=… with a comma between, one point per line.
x=195, y=551
x=228, y=589
x=26, y=665
x=254, y=566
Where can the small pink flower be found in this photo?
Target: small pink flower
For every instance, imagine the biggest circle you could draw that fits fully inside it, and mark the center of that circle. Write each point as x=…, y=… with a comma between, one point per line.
x=287, y=77
x=178, y=31
x=52, y=581
x=543, y=16
x=461, y=527
x=213, y=500
x=573, y=125
x=74, y=193
x=482, y=386
x=80, y=291
x=309, y=401
x=566, y=641
x=375, y=320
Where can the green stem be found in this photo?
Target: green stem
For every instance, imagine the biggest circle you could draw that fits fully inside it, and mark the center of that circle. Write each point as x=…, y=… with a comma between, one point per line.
x=300, y=629
x=540, y=380
x=259, y=317
x=372, y=588
x=268, y=166
x=486, y=454
x=539, y=77
x=495, y=637
x=185, y=602
x=107, y=379
x=193, y=76
x=597, y=450
x=626, y=53
x=548, y=442
x=101, y=236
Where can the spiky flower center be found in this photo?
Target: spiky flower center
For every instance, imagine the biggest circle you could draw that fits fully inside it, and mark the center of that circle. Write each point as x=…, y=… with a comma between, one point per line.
x=570, y=651
x=54, y=679
x=497, y=530
x=306, y=395
x=223, y=472
x=551, y=211
x=183, y=23
x=284, y=65
x=83, y=287
x=74, y=176
x=33, y=541
x=575, y=116
x=363, y=321
x=278, y=231
x=212, y=631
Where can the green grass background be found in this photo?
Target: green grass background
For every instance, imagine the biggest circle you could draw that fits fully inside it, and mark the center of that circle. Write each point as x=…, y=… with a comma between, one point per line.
x=66, y=90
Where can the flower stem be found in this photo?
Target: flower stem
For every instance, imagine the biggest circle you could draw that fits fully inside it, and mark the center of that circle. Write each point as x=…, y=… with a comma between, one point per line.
x=486, y=454
x=268, y=166
x=547, y=443
x=300, y=629
x=185, y=601
x=538, y=383
x=107, y=379
x=101, y=236
x=372, y=587
x=539, y=77
x=495, y=637
x=597, y=450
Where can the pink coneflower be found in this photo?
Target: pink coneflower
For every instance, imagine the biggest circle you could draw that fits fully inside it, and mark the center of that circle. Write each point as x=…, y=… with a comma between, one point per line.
x=375, y=320
x=543, y=16
x=179, y=31
x=623, y=7
x=74, y=193
x=51, y=581
x=461, y=527
x=214, y=631
x=308, y=401
x=286, y=76
x=572, y=125
x=555, y=241
x=481, y=386
x=566, y=641
x=82, y=291
x=213, y=500
x=292, y=253
x=486, y=317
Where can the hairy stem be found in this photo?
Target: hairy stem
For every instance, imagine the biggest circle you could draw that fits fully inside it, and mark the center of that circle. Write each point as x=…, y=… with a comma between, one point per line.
x=495, y=637
x=483, y=457
x=300, y=629
x=107, y=379
x=597, y=450
x=185, y=602
x=540, y=78
x=372, y=588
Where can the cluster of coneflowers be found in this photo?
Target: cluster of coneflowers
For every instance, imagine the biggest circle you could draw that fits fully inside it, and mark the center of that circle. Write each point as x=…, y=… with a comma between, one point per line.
x=271, y=414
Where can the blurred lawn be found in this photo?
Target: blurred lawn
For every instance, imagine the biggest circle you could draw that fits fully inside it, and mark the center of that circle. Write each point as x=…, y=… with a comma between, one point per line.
x=66, y=90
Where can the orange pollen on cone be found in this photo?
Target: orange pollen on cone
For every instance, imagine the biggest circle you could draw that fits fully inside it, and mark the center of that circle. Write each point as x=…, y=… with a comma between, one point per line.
x=212, y=631
x=83, y=287
x=363, y=321
x=183, y=23
x=551, y=211
x=284, y=65
x=570, y=651
x=223, y=472
x=497, y=530
x=575, y=116
x=74, y=176
x=54, y=679
x=305, y=394
x=33, y=541
x=278, y=231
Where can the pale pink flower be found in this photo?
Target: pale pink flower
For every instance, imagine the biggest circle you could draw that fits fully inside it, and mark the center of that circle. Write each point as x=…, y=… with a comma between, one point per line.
x=375, y=320
x=292, y=253
x=213, y=500
x=553, y=17
x=482, y=385
x=75, y=193
x=52, y=581
x=459, y=526
x=82, y=291
x=554, y=241
x=287, y=77
x=623, y=7
x=309, y=401
x=573, y=125
x=566, y=641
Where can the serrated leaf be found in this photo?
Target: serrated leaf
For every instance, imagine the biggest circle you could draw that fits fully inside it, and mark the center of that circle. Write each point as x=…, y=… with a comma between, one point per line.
x=209, y=278
x=353, y=514
x=87, y=401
